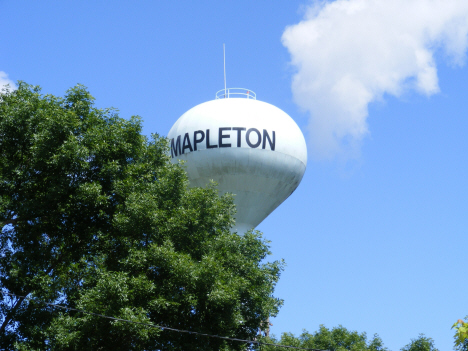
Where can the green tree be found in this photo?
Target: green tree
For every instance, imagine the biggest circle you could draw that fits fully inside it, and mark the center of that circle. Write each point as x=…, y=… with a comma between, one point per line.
x=461, y=335
x=336, y=339
x=95, y=217
x=422, y=343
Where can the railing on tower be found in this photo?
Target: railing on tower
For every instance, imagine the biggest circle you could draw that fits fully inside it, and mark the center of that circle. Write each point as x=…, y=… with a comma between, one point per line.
x=236, y=93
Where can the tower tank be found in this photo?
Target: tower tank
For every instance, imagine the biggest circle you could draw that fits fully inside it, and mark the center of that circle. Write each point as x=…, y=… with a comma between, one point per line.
x=250, y=148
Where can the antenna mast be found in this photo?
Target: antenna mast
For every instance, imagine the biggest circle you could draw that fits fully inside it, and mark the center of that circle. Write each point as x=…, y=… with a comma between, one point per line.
x=224, y=55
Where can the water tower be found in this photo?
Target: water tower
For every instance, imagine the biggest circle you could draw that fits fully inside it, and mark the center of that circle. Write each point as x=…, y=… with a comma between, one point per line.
x=250, y=148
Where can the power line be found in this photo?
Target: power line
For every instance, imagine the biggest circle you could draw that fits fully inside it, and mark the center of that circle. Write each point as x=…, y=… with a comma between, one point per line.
x=159, y=326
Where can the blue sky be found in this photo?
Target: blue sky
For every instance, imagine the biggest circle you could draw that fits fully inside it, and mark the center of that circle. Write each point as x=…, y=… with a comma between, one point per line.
x=375, y=236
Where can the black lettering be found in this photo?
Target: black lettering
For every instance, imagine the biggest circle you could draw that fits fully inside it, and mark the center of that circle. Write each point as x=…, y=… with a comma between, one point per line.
x=175, y=149
x=272, y=143
x=186, y=144
x=247, y=138
x=198, y=141
x=208, y=146
x=239, y=131
x=221, y=136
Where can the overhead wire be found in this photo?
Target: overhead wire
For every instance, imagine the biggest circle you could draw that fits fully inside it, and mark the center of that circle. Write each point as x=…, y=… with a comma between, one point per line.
x=260, y=343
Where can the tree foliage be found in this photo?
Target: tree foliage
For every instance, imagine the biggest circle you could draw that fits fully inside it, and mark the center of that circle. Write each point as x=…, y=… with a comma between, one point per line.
x=95, y=217
x=342, y=339
x=422, y=343
x=461, y=334
x=335, y=339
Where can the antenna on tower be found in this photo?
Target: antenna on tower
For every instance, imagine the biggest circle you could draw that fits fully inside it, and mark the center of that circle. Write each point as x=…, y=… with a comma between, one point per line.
x=224, y=55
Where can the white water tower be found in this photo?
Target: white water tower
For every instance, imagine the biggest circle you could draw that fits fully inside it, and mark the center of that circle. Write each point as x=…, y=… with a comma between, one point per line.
x=250, y=148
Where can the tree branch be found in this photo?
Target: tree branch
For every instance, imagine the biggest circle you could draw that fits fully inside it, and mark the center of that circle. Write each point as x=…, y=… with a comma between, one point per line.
x=9, y=317
x=13, y=221
x=18, y=303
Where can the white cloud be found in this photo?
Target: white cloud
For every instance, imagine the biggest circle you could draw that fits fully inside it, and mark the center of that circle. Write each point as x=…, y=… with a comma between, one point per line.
x=4, y=81
x=348, y=53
